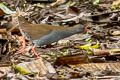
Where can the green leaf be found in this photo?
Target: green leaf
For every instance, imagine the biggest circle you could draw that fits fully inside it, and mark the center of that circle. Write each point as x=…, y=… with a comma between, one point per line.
x=114, y=50
x=96, y=2
x=88, y=39
x=88, y=46
x=5, y=9
x=96, y=46
x=20, y=69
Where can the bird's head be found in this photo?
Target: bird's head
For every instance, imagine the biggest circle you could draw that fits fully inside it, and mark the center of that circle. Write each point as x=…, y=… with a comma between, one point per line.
x=22, y=20
x=81, y=28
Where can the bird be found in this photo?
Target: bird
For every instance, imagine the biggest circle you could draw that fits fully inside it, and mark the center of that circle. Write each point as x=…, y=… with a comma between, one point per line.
x=45, y=34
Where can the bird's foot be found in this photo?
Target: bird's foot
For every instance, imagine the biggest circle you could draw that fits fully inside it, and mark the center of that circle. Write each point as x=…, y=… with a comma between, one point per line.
x=35, y=53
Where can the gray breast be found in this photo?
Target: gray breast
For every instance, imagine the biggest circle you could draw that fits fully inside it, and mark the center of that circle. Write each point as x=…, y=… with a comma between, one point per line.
x=52, y=37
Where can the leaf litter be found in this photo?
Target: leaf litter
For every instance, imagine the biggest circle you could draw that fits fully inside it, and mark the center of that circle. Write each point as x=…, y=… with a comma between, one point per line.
x=69, y=58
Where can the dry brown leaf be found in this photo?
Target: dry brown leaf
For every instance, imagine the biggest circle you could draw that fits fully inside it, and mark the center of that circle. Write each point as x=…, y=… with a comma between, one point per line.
x=3, y=31
x=73, y=11
x=58, y=2
x=115, y=67
x=105, y=52
x=41, y=66
x=71, y=59
x=116, y=3
x=4, y=71
x=114, y=32
x=100, y=52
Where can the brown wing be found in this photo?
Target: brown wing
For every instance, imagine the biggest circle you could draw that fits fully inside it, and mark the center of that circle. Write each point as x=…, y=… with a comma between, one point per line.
x=35, y=31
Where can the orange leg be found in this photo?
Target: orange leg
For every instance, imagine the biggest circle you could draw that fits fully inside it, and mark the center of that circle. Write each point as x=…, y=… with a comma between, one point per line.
x=36, y=54
x=24, y=46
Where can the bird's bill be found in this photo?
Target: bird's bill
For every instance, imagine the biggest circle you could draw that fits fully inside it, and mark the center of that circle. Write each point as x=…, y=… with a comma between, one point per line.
x=86, y=30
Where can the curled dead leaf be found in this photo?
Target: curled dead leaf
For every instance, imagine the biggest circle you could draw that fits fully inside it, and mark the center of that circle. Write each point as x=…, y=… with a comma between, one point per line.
x=100, y=52
x=58, y=2
x=37, y=66
x=116, y=3
x=71, y=59
x=105, y=52
x=114, y=32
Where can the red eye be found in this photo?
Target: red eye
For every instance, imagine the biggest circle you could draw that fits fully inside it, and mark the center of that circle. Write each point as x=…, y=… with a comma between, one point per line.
x=86, y=29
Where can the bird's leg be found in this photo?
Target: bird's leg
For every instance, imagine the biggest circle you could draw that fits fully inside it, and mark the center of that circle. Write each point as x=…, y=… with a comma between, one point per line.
x=36, y=54
x=23, y=44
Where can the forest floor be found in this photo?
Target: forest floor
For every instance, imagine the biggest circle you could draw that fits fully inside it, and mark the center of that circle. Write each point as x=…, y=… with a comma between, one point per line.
x=94, y=55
